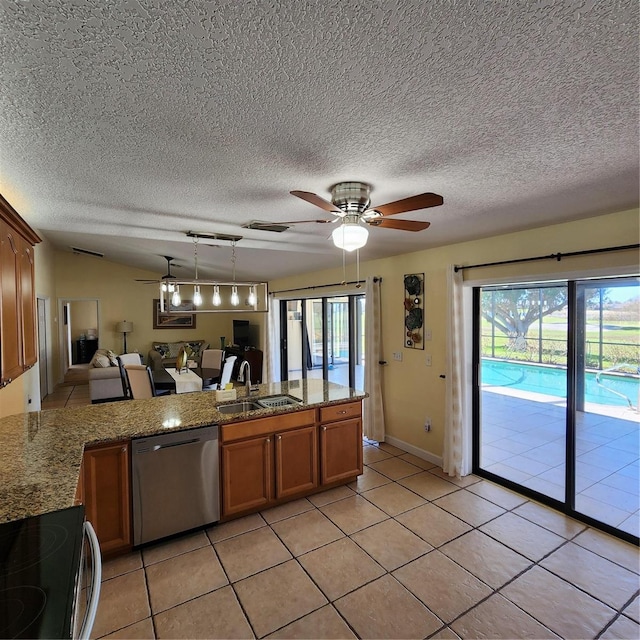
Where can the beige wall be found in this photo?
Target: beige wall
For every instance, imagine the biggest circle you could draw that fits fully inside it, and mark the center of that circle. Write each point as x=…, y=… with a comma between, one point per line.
x=413, y=390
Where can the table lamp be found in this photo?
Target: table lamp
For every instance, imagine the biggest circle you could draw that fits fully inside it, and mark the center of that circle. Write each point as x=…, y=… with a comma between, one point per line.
x=124, y=327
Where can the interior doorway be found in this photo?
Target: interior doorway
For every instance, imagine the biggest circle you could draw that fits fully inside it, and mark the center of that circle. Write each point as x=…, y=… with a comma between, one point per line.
x=43, y=347
x=80, y=322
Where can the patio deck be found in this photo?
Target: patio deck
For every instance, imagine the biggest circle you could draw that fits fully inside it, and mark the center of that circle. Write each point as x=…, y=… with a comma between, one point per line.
x=523, y=440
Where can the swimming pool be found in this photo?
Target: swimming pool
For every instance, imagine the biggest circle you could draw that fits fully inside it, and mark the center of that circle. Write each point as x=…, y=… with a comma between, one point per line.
x=553, y=381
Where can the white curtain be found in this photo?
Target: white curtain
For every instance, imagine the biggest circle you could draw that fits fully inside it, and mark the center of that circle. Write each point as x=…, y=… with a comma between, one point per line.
x=373, y=419
x=272, y=350
x=456, y=455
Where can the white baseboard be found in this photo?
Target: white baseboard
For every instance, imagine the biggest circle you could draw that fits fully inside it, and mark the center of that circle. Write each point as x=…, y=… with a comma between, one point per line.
x=416, y=451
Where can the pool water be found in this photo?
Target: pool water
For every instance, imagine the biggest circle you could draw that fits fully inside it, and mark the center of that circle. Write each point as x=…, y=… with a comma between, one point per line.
x=553, y=381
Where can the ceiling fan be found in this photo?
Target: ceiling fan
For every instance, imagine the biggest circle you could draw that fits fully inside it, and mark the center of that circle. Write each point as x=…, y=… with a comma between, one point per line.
x=351, y=202
x=167, y=276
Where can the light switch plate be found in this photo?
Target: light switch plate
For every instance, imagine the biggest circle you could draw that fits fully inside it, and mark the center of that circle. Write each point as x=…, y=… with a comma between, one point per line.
x=427, y=359
x=427, y=334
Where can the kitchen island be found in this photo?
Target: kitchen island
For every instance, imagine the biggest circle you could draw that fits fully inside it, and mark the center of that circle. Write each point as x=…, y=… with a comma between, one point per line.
x=41, y=453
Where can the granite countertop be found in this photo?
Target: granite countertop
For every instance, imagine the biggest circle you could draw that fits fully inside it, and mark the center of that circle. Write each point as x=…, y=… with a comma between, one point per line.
x=41, y=451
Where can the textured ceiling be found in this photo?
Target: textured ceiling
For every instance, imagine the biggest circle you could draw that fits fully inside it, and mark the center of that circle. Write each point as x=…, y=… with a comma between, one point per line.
x=126, y=123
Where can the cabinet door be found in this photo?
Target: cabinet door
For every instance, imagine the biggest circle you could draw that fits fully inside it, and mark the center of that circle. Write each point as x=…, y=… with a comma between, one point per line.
x=340, y=450
x=27, y=297
x=296, y=461
x=107, y=495
x=247, y=471
x=10, y=314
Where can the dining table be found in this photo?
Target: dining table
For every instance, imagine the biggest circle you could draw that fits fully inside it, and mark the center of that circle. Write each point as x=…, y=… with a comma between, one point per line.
x=163, y=380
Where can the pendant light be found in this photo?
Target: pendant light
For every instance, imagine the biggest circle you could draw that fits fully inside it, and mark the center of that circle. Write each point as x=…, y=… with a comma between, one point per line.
x=217, y=300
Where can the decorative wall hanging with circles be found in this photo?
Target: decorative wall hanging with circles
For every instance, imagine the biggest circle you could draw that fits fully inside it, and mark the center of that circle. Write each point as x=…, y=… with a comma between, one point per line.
x=414, y=310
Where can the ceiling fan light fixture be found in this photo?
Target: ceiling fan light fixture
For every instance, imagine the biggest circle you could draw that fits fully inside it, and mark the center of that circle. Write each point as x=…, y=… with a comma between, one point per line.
x=350, y=235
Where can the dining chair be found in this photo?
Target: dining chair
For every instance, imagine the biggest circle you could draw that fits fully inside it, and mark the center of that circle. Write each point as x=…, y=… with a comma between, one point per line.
x=212, y=359
x=140, y=382
x=227, y=370
x=123, y=359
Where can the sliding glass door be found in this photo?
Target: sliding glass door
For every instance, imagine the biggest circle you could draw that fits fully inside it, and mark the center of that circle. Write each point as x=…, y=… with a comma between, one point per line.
x=324, y=338
x=556, y=395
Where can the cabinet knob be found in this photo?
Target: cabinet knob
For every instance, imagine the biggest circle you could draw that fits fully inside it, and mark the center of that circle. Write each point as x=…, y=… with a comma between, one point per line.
x=324, y=428
x=342, y=412
x=268, y=440
x=124, y=449
x=279, y=437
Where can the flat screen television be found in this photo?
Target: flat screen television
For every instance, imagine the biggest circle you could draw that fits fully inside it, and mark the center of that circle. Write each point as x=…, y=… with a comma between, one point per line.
x=241, y=333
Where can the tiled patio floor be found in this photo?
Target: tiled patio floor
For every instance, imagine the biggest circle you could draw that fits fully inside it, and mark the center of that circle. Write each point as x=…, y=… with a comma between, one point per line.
x=523, y=440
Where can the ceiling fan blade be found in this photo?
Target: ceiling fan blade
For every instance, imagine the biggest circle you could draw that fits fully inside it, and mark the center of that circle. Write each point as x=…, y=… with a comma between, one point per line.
x=317, y=200
x=305, y=221
x=422, y=201
x=403, y=225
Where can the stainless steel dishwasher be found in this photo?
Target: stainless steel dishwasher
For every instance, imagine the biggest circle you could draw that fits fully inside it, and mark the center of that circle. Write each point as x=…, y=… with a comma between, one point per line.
x=175, y=482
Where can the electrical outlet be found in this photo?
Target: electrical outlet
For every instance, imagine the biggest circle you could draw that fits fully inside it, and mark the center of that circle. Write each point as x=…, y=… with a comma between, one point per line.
x=427, y=359
x=397, y=355
x=427, y=424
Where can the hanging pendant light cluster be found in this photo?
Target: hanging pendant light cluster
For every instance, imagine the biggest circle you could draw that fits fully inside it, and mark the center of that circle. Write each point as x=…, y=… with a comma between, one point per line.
x=225, y=296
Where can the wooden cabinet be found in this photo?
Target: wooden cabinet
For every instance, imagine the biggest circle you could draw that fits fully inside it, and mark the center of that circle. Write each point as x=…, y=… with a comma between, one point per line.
x=247, y=471
x=253, y=356
x=296, y=461
x=268, y=459
x=340, y=442
x=85, y=350
x=18, y=342
x=106, y=489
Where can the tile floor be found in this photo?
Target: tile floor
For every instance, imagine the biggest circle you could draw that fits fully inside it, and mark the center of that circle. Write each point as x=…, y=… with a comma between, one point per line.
x=405, y=552
x=523, y=440
x=67, y=396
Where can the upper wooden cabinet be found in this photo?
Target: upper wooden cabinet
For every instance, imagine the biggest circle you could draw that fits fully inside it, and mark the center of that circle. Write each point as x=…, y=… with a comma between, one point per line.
x=18, y=341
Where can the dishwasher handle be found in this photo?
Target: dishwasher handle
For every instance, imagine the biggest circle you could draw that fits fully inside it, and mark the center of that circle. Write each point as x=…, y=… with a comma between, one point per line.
x=174, y=444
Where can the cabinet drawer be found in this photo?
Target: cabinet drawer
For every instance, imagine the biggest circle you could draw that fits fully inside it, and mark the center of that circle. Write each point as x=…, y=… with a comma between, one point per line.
x=340, y=412
x=265, y=426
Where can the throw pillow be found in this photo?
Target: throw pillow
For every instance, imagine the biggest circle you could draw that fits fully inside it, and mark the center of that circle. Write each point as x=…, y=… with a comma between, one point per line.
x=174, y=349
x=100, y=360
x=193, y=349
x=113, y=358
x=162, y=348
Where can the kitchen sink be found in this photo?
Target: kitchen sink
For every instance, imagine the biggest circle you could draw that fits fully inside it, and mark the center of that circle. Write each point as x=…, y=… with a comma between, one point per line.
x=277, y=401
x=239, y=407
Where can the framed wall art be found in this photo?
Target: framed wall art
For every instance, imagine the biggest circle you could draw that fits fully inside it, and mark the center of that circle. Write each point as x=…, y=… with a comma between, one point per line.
x=180, y=320
x=414, y=311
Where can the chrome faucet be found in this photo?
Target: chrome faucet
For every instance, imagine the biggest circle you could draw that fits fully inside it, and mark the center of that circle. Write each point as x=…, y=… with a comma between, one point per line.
x=245, y=369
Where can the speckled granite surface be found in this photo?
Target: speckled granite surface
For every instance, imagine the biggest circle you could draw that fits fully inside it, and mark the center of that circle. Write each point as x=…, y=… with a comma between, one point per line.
x=41, y=452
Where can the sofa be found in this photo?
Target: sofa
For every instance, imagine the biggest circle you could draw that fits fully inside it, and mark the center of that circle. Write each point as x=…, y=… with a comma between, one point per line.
x=164, y=354
x=105, y=379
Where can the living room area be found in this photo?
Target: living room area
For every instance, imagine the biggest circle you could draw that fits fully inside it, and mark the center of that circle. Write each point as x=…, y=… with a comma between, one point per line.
x=97, y=299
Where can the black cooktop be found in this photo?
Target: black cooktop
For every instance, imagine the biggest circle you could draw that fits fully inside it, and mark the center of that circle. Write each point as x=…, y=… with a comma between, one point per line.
x=39, y=561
